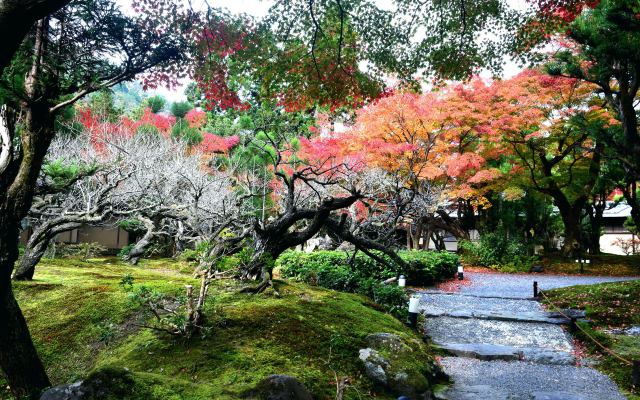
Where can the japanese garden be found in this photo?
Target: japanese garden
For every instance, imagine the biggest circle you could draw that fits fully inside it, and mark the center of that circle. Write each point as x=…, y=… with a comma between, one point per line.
x=319, y=199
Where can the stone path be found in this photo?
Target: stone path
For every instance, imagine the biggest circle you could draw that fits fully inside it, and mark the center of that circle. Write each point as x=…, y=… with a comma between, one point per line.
x=504, y=345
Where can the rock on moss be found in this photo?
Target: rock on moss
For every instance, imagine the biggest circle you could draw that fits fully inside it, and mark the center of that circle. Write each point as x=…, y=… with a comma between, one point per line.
x=104, y=384
x=402, y=366
x=279, y=387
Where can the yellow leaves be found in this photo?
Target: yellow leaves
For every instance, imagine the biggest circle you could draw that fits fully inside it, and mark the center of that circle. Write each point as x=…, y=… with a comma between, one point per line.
x=513, y=193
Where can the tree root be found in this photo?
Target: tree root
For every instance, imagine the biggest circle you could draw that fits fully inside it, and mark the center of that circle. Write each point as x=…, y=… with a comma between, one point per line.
x=261, y=287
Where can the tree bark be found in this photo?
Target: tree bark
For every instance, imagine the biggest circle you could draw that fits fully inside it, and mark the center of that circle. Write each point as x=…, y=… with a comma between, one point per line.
x=38, y=243
x=18, y=357
x=571, y=218
x=33, y=252
x=141, y=245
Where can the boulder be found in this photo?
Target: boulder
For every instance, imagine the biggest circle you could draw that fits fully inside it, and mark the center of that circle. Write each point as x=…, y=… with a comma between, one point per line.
x=106, y=383
x=73, y=391
x=279, y=387
x=537, y=268
x=401, y=366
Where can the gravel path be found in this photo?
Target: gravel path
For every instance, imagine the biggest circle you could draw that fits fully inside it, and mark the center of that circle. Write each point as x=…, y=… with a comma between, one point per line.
x=448, y=302
x=521, y=285
x=539, y=366
x=515, y=380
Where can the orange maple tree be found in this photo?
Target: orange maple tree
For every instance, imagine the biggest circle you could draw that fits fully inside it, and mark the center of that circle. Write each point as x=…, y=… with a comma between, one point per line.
x=458, y=144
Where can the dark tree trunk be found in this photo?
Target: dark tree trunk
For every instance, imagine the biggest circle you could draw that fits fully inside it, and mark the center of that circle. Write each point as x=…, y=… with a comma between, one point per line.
x=596, y=213
x=571, y=217
x=630, y=193
x=33, y=252
x=18, y=357
x=267, y=249
x=39, y=241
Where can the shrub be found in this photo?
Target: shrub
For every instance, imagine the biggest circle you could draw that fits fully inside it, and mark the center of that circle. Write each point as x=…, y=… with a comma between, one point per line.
x=628, y=246
x=497, y=251
x=124, y=252
x=82, y=250
x=148, y=130
x=337, y=270
x=181, y=130
x=429, y=267
x=180, y=108
x=156, y=103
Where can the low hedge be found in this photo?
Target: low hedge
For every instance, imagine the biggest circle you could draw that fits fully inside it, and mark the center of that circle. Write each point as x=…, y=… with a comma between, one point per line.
x=333, y=270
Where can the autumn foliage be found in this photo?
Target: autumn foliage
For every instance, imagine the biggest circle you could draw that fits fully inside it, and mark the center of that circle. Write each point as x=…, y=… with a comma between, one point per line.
x=462, y=137
x=102, y=129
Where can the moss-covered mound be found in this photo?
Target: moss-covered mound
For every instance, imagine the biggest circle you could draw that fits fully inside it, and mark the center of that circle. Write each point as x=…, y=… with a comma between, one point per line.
x=608, y=306
x=83, y=321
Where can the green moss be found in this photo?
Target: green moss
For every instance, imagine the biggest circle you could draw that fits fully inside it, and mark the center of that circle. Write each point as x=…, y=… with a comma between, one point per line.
x=602, y=264
x=607, y=305
x=82, y=320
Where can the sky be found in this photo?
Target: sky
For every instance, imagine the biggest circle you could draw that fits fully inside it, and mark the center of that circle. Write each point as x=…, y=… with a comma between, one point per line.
x=259, y=8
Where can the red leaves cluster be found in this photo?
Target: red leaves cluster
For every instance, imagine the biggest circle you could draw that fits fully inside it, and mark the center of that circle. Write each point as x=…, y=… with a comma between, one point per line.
x=196, y=118
x=101, y=130
x=565, y=10
x=162, y=122
x=217, y=43
x=217, y=144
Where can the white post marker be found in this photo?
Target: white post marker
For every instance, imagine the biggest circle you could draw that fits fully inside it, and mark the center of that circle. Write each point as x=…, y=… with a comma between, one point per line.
x=460, y=272
x=414, y=303
x=402, y=281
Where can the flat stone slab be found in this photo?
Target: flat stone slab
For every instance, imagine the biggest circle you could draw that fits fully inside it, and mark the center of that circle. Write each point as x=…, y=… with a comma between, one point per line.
x=473, y=392
x=447, y=302
x=529, y=316
x=504, y=333
x=548, y=357
x=482, y=351
x=524, y=381
x=490, y=352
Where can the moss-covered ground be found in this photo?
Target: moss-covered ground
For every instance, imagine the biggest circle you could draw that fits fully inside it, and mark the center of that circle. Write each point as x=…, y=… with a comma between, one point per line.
x=82, y=320
x=608, y=305
x=602, y=264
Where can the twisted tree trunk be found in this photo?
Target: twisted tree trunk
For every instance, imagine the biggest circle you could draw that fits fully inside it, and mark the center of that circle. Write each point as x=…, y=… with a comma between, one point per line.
x=141, y=245
x=38, y=243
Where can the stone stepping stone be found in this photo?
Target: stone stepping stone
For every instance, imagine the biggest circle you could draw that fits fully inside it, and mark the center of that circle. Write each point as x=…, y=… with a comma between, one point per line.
x=482, y=351
x=504, y=333
x=442, y=303
x=490, y=352
x=524, y=381
x=533, y=316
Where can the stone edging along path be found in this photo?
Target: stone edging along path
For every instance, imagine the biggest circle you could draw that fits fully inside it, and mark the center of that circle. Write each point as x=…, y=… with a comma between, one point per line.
x=504, y=345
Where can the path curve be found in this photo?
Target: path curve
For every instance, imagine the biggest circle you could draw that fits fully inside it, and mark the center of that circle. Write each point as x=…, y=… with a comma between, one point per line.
x=504, y=345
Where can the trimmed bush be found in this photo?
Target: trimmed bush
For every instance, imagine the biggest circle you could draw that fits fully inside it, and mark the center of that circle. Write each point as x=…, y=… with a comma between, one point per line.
x=424, y=267
x=336, y=270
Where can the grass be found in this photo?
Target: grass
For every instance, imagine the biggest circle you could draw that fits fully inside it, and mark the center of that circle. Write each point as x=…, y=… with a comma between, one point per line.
x=608, y=305
x=82, y=320
x=603, y=264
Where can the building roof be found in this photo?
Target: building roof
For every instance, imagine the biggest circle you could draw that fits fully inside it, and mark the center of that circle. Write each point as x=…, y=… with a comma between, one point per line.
x=619, y=210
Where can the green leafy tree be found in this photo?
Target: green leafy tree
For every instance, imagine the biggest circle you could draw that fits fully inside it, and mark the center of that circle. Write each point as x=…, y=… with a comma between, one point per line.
x=605, y=52
x=180, y=108
x=156, y=103
x=86, y=47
